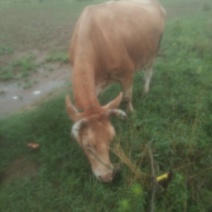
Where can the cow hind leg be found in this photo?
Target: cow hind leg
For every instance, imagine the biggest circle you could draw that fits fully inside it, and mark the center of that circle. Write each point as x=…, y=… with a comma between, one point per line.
x=147, y=79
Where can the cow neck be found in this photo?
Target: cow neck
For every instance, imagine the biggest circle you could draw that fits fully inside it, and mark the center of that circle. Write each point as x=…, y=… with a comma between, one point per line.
x=83, y=83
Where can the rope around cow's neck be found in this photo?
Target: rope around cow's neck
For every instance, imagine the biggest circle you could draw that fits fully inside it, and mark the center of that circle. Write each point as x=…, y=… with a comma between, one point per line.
x=97, y=158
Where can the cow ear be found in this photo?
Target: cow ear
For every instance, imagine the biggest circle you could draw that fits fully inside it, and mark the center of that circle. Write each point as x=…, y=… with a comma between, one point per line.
x=71, y=110
x=114, y=103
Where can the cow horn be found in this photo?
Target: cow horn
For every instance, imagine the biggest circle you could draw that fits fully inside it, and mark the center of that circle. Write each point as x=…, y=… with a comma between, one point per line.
x=117, y=112
x=77, y=126
x=71, y=110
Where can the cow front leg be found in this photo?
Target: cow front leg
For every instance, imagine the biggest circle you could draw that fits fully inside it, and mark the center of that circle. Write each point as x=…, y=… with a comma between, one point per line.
x=147, y=79
x=127, y=95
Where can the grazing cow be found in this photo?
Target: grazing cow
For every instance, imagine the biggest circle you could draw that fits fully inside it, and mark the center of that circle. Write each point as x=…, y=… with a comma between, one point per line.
x=110, y=42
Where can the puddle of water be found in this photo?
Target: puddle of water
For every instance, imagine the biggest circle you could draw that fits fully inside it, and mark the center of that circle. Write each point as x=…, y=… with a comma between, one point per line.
x=36, y=92
x=17, y=98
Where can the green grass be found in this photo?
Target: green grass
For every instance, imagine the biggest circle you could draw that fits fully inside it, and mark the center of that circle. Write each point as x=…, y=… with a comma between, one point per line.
x=20, y=70
x=175, y=119
x=58, y=57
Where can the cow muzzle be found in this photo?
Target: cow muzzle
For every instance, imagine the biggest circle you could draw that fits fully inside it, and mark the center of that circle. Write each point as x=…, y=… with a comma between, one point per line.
x=111, y=176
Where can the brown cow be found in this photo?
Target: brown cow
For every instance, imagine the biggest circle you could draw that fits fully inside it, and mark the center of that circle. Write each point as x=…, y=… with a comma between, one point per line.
x=110, y=42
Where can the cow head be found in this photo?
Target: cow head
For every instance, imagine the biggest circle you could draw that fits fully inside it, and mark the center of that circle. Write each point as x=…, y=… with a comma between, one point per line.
x=94, y=134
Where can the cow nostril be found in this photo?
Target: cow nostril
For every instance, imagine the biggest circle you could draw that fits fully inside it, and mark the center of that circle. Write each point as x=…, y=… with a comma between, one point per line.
x=116, y=173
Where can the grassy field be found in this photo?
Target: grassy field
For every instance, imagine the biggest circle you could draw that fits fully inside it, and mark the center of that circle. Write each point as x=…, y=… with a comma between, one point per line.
x=175, y=120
